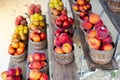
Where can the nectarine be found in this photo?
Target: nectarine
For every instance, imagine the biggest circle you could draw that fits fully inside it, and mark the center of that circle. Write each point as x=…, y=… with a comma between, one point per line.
x=67, y=48
x=94, y=18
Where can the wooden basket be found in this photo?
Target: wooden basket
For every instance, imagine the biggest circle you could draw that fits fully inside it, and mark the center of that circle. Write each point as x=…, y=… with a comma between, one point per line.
x=19, y=58
x=101, y=57
x=64, y=58
x=38, y=45
x=114, y=5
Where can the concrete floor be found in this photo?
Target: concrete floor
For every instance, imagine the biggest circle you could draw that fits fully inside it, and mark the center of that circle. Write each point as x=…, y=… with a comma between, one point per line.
x=9, y=9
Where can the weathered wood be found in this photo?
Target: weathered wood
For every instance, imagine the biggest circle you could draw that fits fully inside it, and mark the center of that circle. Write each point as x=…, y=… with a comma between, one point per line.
x=58, y=71
x=91, y=65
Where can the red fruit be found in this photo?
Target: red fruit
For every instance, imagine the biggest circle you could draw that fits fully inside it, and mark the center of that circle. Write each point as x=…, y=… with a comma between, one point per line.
x=18, y=78
x=108, y=39
x=75, y=6
x=66, y=24
x=88, y=5
x=44, y=76
x=64, y=11
x=81, y=2
x=59, y=23
x=37, y=56
x=43, y=56
x=63, y=38
x=87, y=25
x=99, y=24
x=19, y=18
x=31, y=12
x=71, y=20
x=37, y=9
x=82, y=9
x=64, y=17
x=17, y=22
x=57, y=42
x=83, y=14
x=107, y=46
x=58, y=31
x=102, y=32
x=23, y=22
x=11, y=72
x=9, y=78
x=43, y=36
x=43, y=64
x=35, y=65
x=18, y=71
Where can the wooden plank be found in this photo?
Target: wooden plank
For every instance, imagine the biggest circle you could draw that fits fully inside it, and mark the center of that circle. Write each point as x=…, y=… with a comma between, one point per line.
x=91, y=65
x=58, y=71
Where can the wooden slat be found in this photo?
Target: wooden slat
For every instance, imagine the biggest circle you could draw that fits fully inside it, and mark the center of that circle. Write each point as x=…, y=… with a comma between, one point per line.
x=91, y=65
x=58, y=71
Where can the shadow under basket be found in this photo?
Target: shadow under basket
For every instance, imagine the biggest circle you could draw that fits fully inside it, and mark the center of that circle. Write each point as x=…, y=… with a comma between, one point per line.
x=64, y=58
x=38, y=45
x=19, y=58
x=101, y=57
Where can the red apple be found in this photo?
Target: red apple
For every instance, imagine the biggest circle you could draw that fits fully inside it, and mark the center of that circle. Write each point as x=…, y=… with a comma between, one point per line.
x=64, y=17
x=58, y=31
x=59, y=23
x=44, y=76
x=63, y=38
x=99, y=24
x=71, y=20
x=18, y=71
x=35, y=65
x=87, y=25
x=64, y=11
x=43, y=56
x=9, y=78
x=11, y=72
x=66, y=24
x=108, y=39
x=107, y=46
x=57, y=42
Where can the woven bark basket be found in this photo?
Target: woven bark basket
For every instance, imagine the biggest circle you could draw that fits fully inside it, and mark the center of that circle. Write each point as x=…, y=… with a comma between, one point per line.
x=64, y=58
x=114, y=5
x=19, y=58
x=101, y=57
x=38, y=45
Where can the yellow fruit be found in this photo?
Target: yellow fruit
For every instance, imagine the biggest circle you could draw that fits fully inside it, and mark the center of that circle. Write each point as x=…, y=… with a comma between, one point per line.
x=42, y=24
x=21, y=28
x=15, y=44
x=21, y=44
x=25, y=31
x=23, y=37
x=60, y=3
x=36, y=23
x=41, y=18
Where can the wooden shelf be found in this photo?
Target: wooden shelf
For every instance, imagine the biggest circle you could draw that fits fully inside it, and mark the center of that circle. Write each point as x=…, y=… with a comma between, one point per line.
x=59, y=71
x=91, y=65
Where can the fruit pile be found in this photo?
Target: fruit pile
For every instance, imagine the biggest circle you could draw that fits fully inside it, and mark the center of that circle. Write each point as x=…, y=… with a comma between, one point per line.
x=63, y=21
x=36, y=19
x=56, y=7
x=36, y=75
x=98, y=36
x=82, y=8
x=19, y=37
x=37, y=61
x=37, y=37
x=12, y=74
x=63, y=44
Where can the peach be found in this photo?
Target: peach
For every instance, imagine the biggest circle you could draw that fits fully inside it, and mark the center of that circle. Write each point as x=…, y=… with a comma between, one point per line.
x=63, y=37
x=59, y=50
x=37, y=56
x=4, y=75
x=107, y=46
x=94, y=43
x=18, y=71
x=11, y=72
x=9, y=78
x=87, y=25
x=15, y=44
x=36, y=38
x=43, y=56
x=43, y=36
x=92, y=33
x=81, y=2
x=20, y=50
x=34, y=74
x=94, y=18
x=75, y=7
x=30, y=58
x=11, y=50
x=108, y=39
x=44, y=76
x=35, y=65
x=57, y=42
x=67, y=47
x=22, y=44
